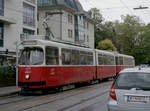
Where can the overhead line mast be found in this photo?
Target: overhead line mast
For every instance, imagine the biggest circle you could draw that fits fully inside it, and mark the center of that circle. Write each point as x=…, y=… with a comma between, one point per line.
x=140, y=8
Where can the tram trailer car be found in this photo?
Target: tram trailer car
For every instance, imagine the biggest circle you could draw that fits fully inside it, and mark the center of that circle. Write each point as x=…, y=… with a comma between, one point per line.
x=124, y=61
x=46, y=64
x=105, y=64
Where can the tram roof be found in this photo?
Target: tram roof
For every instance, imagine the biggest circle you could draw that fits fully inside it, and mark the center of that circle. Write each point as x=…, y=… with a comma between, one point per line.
x=106, y=52
x=64, y=45
x=123, y=55
x=57, y=44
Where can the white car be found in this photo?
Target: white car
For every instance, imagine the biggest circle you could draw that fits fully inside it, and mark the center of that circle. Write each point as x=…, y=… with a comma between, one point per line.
x=130, y=91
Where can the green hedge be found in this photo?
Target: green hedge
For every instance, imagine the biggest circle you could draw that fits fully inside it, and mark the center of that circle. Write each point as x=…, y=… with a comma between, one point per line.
x=7, y=72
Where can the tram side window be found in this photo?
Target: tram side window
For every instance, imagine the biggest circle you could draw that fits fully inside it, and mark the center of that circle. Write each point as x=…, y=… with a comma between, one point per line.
x=128, y=61
x=108, y=59
x=90, y=58
x=111, y=60
x=83, y=58
x=75, y=57
x=132, y=62
x=100, y=59
x=66, y=56
x=125, y=61
x=52, y=56
x=105, y=60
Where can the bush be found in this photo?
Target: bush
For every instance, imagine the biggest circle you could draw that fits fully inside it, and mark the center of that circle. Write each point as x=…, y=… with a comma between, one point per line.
x=7, y=72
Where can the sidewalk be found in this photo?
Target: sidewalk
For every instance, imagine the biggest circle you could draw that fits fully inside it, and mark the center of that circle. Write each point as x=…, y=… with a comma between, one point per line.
x=5, y=91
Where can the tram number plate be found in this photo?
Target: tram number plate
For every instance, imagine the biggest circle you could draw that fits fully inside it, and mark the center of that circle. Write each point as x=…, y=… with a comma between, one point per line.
x=138, y=99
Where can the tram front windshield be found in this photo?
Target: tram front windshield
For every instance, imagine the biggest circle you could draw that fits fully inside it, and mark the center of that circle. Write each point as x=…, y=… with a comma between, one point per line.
x=31, y=56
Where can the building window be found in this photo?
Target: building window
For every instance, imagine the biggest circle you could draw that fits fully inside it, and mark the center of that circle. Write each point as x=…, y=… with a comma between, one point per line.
x=1, y=35
x=87, y=38
x=84, y=24
x=28, y=32
x=70, y=34
x=70, y=19
x=87, y=25
x=2, y=7
x=28, y=15
x=54, y=2
x=84, y=37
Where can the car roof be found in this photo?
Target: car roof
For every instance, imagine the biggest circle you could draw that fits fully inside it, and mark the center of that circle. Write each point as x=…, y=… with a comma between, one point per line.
x=136, y=69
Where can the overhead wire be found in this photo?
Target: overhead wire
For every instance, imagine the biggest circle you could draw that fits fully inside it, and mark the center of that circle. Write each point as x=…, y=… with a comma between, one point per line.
x=88, y=2
x=127, y=7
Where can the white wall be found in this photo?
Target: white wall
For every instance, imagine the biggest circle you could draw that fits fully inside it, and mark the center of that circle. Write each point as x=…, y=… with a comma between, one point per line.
x=91, y=35
x=54, y=23
x=13, y=9
x=12, y=31
x=66, y=25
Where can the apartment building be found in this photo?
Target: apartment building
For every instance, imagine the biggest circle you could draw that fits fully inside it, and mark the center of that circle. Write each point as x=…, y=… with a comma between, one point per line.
x=65, y=20
x=17, y=18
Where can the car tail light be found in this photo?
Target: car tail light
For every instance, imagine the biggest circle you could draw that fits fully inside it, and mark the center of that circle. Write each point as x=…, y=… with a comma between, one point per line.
x=112, y=93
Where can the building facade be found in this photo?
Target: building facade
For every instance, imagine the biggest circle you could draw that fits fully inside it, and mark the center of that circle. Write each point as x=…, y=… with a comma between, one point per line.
x=17, y=17
x=65, y=20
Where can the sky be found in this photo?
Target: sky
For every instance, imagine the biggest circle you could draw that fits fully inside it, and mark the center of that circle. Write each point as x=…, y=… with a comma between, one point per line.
x=113, y=9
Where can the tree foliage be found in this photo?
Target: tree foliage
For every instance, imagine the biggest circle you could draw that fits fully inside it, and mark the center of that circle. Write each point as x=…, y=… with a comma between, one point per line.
x=96, y=15
x=106, y=45
x=130, y=36
x=105, y=31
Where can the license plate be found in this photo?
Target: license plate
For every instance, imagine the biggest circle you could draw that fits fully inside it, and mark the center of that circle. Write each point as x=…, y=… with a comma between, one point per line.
x=138, y=99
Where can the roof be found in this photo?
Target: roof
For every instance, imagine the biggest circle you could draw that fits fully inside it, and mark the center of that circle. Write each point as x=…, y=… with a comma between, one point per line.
x=136, y=69
x=74, y=4
x=70, y=5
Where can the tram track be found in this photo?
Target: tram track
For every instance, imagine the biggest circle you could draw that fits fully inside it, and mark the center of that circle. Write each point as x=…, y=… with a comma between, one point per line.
x=52, y=97
x=12, y=99
x=71, y=94
x=83, y=100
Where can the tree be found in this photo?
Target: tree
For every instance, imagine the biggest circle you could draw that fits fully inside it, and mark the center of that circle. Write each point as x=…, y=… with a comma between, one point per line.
x=143, y=53
x=106, y=45
x=128, y=33
x=96, y=15
x=105, y=31
x=98, y=18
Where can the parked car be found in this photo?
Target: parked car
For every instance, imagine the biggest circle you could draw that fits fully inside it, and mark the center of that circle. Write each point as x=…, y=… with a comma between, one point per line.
x=130, y=91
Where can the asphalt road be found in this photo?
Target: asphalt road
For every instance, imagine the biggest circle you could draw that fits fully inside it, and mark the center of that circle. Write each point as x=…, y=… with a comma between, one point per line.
x=88, y=98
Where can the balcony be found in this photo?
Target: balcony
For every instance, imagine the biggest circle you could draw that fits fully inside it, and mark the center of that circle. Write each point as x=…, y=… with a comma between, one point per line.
x=6, y=20
x=31, y=1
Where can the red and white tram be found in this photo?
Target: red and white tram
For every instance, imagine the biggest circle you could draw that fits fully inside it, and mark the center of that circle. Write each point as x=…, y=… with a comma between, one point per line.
x=46, y=64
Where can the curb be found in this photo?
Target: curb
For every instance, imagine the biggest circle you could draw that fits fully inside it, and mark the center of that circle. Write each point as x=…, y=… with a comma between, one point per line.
x=9, y=94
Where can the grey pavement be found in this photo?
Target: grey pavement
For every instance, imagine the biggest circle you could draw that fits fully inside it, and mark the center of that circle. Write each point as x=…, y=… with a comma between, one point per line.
x=88, y=98
x=5, y=91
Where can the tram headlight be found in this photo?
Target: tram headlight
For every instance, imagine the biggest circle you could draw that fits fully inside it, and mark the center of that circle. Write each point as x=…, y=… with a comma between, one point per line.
x=27, y=76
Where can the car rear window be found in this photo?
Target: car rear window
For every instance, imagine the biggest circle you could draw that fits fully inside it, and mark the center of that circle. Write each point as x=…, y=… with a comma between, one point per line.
x=133, y=80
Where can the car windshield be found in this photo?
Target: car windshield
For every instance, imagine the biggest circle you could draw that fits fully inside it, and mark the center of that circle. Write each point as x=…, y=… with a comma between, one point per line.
x=31, y=56
x=133, y=80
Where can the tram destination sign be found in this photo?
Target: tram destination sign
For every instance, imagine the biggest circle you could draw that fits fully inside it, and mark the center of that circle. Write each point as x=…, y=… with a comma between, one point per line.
x=29, y=43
